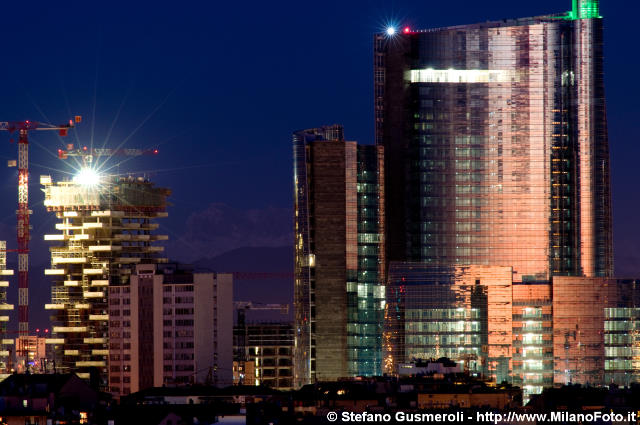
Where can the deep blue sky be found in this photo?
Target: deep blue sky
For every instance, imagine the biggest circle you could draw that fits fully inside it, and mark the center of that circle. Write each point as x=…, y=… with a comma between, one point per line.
x=220, y=86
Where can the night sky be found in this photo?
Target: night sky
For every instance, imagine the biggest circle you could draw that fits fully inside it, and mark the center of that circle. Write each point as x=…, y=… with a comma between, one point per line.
x=218, y=87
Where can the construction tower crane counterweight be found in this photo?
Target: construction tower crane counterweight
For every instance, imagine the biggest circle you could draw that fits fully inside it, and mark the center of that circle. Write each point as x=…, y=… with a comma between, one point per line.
x=23, y=212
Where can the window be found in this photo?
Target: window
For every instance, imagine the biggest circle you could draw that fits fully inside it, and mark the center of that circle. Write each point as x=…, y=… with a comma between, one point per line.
x=184, y=300
x=185, y=288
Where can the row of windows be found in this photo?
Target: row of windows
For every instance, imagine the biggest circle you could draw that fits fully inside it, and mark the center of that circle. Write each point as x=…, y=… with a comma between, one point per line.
x=622, y=325
x=622, y=352
x=282, y=351
x=622, y=313
x=613, y=364
x=117, y=289
x=177, y=300
x=178, y=322
x=118, y=357
x=433, y=340
x=621, y=339
x=179, y=368
x=460, y=326
x=443, y=313
x=178, y=334
x=116, y=368
x=178, y=345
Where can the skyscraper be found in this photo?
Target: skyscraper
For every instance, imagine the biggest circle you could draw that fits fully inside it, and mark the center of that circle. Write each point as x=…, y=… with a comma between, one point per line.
x=339, y=260
x=496, y=147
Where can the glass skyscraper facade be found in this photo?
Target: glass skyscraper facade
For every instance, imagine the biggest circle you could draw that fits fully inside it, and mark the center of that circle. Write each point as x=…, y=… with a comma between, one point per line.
x=463, y=313
x=572, y=330
x=622, y=345
x=595, y=331
x=496, y=145
x=339, y=294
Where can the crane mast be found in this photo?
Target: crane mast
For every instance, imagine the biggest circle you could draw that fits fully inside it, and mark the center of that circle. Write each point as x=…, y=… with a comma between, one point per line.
x=23, y=234
x=23, y=213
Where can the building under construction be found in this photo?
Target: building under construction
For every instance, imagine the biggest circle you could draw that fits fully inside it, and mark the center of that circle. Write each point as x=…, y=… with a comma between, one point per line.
x=106, y=226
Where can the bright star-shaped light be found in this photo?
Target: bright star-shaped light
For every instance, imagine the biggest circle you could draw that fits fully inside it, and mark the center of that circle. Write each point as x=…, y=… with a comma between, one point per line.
x=87, y=177
x=391, y=30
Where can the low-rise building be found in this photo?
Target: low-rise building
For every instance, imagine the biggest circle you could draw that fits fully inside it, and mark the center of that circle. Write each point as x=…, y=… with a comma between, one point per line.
x=170, y=326
x=32, y=399
x=264, y=355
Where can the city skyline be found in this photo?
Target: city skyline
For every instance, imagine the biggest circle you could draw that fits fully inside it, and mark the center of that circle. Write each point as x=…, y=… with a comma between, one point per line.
x=101, y=58
x=482, y=194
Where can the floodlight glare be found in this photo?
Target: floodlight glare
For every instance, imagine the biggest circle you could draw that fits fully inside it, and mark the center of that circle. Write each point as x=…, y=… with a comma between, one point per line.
x=391, y=30
x=87, y=177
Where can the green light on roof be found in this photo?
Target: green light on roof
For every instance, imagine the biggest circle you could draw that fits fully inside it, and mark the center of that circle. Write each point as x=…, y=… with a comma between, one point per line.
x=584, y=9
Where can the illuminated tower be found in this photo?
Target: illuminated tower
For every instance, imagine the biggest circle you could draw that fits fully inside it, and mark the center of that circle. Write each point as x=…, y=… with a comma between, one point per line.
x=106, y=228
x=496, y=148
x=339, y=258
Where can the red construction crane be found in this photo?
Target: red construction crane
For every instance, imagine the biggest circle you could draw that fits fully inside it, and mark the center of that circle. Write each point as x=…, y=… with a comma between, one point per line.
x=261, y=275
x=23, y=128
x=248, y=305
x=87, y=154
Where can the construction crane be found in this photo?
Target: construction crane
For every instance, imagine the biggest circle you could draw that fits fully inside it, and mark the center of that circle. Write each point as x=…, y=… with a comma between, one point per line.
x=87, y=154
x=248, y=305
x=261, y=275
x=23, y=212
